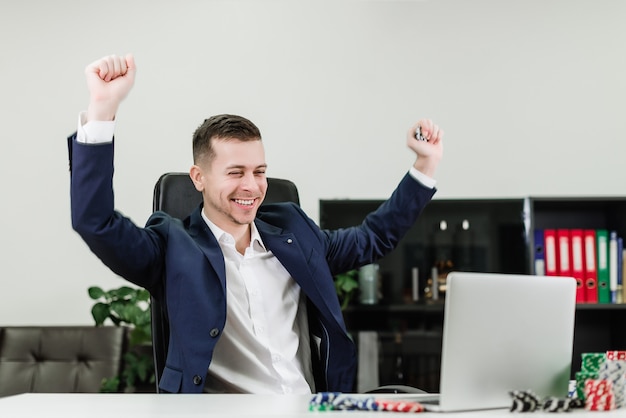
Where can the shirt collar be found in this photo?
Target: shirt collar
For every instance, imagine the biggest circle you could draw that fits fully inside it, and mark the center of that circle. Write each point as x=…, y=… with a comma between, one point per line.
x=224, y=237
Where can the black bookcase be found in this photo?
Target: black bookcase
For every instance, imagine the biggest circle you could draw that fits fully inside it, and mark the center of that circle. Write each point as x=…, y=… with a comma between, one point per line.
x=599, y=327
x=474, y=235
x=489, y=235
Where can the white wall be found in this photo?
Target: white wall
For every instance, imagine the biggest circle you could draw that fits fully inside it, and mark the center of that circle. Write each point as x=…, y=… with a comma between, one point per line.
x=531, y=95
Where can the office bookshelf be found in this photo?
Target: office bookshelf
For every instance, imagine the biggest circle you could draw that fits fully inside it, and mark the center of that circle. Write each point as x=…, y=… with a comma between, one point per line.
x=489, y=235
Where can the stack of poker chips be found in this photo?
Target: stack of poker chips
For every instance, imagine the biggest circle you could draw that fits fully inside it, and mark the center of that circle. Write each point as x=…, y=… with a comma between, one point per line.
x=527, y=401
x=599, y=395
x=335, y=401
x=608, y=390
x=590, y=367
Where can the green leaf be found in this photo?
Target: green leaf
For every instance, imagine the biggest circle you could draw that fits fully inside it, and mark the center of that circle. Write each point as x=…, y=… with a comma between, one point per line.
x=129, y=373
x=143, y=367
x=100, y=312
x=140, y=335
x=95, y=292
x=132, y=313
x=345, y=286
x=143, y=317
x=349, y=284
x=110, y=385
x=125, y=292
x=139, y=369
x=119, y=309
x=143, y=295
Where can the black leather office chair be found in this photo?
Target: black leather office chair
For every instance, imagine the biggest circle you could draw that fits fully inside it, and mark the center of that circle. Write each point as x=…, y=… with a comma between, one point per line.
x=175, y=194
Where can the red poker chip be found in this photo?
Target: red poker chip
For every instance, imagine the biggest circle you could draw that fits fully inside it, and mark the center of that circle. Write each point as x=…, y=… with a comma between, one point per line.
x=599, y=395
x=605, y=402
x=400, y=406
x=616, y=355
x=598, y=387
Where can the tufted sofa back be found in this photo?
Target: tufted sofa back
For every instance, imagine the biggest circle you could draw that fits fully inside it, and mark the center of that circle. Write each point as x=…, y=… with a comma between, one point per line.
x=59, y=358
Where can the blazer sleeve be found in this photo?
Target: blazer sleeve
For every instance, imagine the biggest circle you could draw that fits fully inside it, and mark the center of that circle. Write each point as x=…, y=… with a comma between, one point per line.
x=380, y=232
x=130, y=251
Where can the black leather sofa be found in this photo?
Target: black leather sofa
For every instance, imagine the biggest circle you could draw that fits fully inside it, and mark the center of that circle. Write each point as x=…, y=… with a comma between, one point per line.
x=55, y=359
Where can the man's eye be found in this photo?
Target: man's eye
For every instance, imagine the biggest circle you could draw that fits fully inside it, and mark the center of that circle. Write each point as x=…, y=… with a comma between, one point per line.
x=235, y=173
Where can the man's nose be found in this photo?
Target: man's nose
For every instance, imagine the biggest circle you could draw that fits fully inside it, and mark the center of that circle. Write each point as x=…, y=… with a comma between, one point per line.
x=248, y=182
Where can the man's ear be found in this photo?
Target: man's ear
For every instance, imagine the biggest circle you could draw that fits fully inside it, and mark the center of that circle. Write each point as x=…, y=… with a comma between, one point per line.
x=195, y=173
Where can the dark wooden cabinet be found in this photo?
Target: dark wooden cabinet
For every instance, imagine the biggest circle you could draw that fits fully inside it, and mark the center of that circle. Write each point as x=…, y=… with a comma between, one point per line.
x=488, y=235
x=418, y=327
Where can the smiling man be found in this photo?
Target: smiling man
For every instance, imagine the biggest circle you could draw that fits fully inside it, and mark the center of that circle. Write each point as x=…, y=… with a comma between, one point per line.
x=248, y=290
x=229, y=169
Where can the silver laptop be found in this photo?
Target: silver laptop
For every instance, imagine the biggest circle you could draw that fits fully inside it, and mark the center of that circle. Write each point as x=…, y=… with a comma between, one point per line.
x=504, y=332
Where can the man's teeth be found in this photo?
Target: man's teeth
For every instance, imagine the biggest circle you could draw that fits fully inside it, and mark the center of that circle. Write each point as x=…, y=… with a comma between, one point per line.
x=244, y=202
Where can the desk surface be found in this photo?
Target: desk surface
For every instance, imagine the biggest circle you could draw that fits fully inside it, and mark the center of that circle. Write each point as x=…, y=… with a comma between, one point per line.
x=153, y=405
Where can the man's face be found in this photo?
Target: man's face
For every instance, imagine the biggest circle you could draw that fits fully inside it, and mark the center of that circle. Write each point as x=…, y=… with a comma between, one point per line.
x=234, y=183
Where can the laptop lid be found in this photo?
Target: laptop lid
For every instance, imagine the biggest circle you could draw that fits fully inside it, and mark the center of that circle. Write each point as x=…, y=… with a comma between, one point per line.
x=505, y=332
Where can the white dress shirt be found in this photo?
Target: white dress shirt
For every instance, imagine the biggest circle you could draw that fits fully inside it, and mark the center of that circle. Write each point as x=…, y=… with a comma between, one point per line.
x=264, y=347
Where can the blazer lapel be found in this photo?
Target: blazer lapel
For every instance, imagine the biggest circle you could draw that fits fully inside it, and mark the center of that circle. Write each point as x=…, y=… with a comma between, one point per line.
x=200, y=232
x=285, y=246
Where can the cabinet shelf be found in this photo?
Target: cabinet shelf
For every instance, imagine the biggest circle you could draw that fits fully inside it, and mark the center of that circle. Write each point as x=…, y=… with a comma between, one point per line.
x=438, y=307
x=430, y=315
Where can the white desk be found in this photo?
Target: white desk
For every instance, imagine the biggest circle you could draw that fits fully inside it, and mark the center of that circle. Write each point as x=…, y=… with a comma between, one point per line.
x=153, y=405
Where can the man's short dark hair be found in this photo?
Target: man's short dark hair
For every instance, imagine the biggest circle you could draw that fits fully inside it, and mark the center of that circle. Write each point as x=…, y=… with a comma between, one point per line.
x=224, y=127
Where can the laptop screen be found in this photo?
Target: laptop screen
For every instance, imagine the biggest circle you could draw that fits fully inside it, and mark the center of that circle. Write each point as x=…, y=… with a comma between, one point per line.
x=505, y=332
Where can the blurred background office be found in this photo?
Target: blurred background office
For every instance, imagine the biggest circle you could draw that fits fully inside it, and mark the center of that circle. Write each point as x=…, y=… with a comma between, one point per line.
x=531, y=94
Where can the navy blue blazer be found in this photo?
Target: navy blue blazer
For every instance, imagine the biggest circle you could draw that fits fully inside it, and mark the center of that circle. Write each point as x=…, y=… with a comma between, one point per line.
x=181, y=262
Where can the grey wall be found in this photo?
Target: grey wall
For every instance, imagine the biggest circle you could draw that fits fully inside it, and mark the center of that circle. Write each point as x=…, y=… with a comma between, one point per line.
x=530, y=94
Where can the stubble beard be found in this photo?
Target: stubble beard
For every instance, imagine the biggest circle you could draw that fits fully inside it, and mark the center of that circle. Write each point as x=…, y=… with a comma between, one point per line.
x=228, y=213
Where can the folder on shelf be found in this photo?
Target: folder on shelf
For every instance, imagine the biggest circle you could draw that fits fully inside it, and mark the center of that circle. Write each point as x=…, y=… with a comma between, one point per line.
x=550, y=249
x=613, y=266
x=591, y=273
x=578, y=263
x=623, y=269
x=540, y=254
x=620, y=271
x=564, y=252
x=602, y=266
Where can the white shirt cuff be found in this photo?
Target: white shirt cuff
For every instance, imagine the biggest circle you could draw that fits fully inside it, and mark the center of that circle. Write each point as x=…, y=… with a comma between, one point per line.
x=94, y=131
x=423, y=178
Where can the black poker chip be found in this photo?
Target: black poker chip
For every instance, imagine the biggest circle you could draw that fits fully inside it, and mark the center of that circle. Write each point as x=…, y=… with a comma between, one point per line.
x=527, y=401
x=524, y=401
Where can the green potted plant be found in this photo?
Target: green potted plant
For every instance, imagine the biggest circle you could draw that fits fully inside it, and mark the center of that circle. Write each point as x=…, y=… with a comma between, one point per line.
x=128, y=306
x=346, y=285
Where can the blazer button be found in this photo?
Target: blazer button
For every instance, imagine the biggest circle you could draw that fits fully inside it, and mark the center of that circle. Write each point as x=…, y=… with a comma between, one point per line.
x=197, y=380
x=214, y=332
